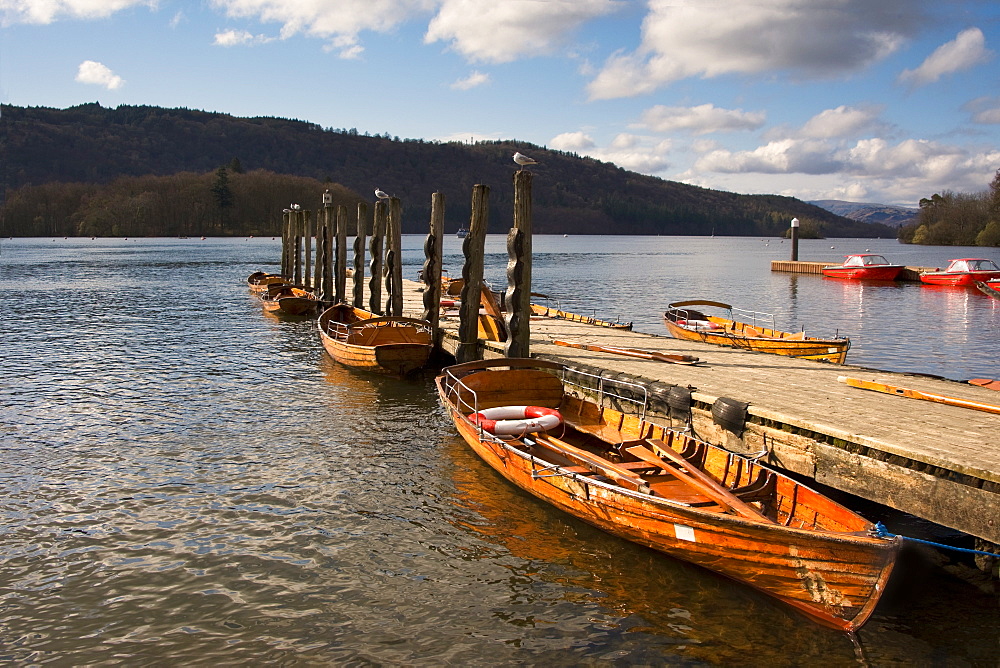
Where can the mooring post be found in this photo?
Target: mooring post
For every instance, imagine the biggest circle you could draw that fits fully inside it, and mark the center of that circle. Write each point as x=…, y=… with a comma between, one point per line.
x=795, y=239
x=307, y=240
x=375, y=249
x=394, y=260
x=518, y=298
x=340, y=271
x=431, y=273
x=473, y=248
x=326, y=285
x=359, y=255
x=297, y=258
x=286, y=265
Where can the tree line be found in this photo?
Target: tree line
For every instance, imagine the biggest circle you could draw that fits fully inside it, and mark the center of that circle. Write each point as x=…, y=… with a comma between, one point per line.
x=224, y=202
x=957, y=219
x=91, y=144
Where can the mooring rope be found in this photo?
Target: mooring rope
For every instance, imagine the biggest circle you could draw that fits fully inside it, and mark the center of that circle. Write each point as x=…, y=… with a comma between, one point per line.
x=882, y=532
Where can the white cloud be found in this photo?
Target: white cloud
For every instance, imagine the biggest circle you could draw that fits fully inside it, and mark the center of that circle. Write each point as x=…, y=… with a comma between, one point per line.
x=47, y=11
x=967, y=50
x=239, y=38
x=843, y=121
x=339, y=22
x=776, y=157
x=985, y=110
x=814, y=39
x=700, y=120
x=474, y=79
x=495, y=31
x=91, y=72
x=573, y=142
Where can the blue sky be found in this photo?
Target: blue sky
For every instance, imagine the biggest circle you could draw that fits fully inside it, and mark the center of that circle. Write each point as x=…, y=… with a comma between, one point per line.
x=862, y=100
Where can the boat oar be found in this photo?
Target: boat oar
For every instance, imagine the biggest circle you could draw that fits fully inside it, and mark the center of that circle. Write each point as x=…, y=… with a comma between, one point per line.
x=671, y=358
x=917, y=394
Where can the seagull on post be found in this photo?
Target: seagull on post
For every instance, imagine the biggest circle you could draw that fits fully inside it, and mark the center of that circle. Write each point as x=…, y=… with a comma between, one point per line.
x=381, y=194
x=523, y=160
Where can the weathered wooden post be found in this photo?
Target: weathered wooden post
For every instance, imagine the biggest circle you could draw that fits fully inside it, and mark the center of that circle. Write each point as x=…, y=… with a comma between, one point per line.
x=375, y=249
x=286, y=244
x=795, y=239
x=340, y=271
x=473, y=248
x=433, y=251
x=321, y=247
x=394, y=260
x=328, y=255
x=359, y=255
x=307, y=240
x=297, y=226
x=518, y=298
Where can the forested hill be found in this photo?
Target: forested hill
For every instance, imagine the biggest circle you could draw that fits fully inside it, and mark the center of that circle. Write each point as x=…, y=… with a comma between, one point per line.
x=570, y=194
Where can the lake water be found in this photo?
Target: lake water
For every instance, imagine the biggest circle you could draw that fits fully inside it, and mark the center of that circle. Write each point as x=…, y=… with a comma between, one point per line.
x=185, y=481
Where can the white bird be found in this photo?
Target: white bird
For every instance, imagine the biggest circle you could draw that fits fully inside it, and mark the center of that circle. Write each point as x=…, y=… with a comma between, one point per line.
x=380, y=194
x=523, y=160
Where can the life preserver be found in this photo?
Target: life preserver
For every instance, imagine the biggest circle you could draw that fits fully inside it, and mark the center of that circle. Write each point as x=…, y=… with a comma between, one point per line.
x=516, y=420
x=448, y=302
x=698, y=324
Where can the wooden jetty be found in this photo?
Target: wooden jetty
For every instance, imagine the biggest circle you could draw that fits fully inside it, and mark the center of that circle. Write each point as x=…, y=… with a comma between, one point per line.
x=808, y=267
x=937, y=461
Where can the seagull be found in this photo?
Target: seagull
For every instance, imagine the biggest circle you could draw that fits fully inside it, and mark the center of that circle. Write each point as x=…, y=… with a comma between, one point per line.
x=380, y=194
x=523, y=160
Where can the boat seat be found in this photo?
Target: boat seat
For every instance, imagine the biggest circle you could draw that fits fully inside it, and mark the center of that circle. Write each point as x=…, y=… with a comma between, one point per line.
x=797, y=336
x=751, y=331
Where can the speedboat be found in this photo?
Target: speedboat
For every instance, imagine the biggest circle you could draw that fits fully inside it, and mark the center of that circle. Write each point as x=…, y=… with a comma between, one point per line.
x=864, y=266
x=965, y=271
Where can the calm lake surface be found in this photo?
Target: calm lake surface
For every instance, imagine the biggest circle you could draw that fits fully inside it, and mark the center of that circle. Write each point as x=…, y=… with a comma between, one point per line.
x=185, y=481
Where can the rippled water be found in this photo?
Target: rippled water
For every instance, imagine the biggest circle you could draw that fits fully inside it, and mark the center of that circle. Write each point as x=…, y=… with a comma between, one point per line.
x=185, y=481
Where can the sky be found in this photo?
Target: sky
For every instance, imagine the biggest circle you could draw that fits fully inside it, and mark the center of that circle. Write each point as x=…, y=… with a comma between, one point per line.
x=879, y=101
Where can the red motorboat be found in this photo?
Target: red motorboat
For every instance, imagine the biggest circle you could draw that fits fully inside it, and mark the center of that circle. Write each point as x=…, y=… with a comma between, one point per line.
x=864, y=265
x=966, y=271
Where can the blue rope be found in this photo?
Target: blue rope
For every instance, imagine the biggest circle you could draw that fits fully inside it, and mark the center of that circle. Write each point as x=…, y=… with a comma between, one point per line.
x=882, y=532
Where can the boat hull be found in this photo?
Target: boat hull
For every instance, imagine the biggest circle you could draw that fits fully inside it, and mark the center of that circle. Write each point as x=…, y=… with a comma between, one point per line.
x=958, y=279
x=879, y=273
x=392, y=346
x=834, y=577
x=259, y=281
x=734, y=334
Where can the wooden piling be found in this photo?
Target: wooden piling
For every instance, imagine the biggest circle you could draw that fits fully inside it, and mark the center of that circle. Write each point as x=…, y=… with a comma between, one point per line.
x=518, y=297
x=340, y=259
x=394, y=260
x=359, y=255
x=433, y=252
x=297, y=219
x=326, y=289
x=473, y=248
x=307, y=241
x=286, y=244
x=375, y=249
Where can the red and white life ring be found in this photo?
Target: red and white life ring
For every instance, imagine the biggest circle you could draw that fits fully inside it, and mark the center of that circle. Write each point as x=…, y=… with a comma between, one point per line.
x=698, y=324
x=448, y=303
x=516, y=420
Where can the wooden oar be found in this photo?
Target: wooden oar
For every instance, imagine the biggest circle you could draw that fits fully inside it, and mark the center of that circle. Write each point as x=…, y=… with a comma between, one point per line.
x=631, y=352
x=917, y=394
x=988, y=383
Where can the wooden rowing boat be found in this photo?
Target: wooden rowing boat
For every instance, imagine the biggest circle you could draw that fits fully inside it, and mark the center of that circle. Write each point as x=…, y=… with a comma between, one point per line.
x=357, y=338
x=686, y=320
x=671, y=492
x=259, y=281
x=285, y=299
x=548, y=312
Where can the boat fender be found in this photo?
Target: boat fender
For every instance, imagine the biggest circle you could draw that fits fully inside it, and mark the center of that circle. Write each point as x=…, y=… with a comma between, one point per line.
x=730, y=414
x=679, y=401
x=516, y=420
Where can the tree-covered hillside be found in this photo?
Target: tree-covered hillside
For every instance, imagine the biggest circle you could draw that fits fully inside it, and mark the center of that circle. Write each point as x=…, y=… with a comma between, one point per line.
x=90, y=144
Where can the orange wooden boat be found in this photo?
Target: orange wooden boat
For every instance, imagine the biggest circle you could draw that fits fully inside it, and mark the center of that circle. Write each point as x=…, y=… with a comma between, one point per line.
x=259, y=281
x=285, y=299
x=686, y=320
x=669, y=491
x=357, y=338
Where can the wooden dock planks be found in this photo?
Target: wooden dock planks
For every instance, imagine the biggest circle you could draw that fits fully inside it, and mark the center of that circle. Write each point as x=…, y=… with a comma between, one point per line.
x=933, y=460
